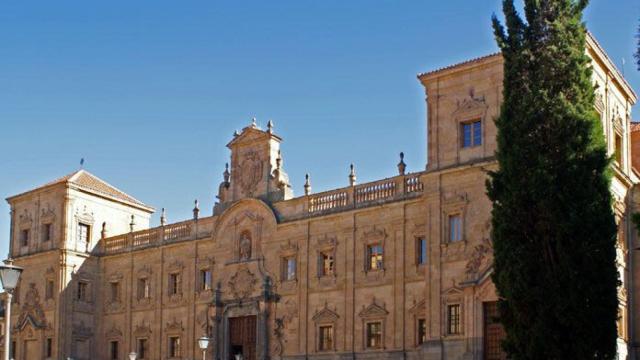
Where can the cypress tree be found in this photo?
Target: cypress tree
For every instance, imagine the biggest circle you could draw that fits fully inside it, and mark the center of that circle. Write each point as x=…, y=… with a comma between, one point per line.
x=553, y=230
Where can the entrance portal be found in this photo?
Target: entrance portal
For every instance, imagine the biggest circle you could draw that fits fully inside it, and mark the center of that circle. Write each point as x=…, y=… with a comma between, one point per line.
x=242, y=337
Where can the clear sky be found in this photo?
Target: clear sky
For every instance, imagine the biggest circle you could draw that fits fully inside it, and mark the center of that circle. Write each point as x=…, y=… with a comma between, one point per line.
x=150, y=92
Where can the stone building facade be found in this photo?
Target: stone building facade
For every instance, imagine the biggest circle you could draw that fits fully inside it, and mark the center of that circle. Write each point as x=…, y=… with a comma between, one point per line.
x=396, y=268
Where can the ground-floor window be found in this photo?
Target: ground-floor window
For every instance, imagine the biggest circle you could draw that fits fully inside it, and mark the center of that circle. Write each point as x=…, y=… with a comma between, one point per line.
x=453, y=319
x=142, y=348
x=374, y=335
x=174, y=346
x=49, y=348
x=422, y=331
x=325, y=338
x=113, y=350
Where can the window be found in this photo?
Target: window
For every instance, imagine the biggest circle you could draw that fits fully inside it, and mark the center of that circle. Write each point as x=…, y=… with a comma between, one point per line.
x=144, y=288
x=455, y=227
x=175, y=284
x=421, y=251
x=13, y=349
x=49, y=290
x=47, y=232
x=115, y=291
x=374, y=335
x=422, y=331
x=142, y=348
x=374, y=254
x=325, y=338
x=82, y=291
x=24, y=237
x=49, y=348
x=618, y=150
x=174, y=346
x=83, y=234
x=205, y=280
x=471, y=134
x=289, y=268
x=327, y=265
x=113, y=350
x=453, y=319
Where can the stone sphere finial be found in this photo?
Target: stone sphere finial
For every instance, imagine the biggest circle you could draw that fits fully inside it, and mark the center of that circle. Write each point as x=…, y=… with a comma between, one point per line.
x=163, y=218
x=196, y=210
x=226, y=175
x=132, y=224
x=270, y=127
x=254, y=123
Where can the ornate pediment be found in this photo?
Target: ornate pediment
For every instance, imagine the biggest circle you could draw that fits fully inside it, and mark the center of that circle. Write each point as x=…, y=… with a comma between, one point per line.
x=145, y=271
x=470, y=105
x=25, y=219
x=325, y=315
x=51, y=272
x=175, y=266
x=242, y=283
x=289, y=248
x=142, y=330
x=329, y=242
x=418, y=307
x=205, y=262
x=113, y=332
x=174, y=326
x=115, y=277
x=375, y=234
x=373, y=310
x=455, y=198
x=47, y=215
x=31, y=309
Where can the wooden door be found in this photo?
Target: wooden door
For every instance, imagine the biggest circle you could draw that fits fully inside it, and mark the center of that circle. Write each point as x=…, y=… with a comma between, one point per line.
x=493, y=332
x=242, y=337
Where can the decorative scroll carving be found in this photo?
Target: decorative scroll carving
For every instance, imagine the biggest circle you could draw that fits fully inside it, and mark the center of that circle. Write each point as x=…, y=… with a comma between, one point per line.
x=175, y=266
x=25, y=219
x=242, y=283
x=251, y=172
x=142, y=330
x=373, y=310
x=482, y=255
x=277, y=344
x=47, y=215
x=113, y=333
x=145, y=271
x=174, y=326
x=325, y=315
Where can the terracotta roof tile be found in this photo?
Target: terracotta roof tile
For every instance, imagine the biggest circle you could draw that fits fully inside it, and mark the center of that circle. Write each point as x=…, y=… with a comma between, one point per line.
x=478, y=59
x=635, y=126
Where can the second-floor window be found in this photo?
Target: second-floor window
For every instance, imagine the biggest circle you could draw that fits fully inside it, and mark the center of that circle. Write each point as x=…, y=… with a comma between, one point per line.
x=471, y=133
x=49, y=290
x=375, y=257
x=24, y=237
x=175, y=284
x=421, y=251
x=289, y=268
x=83, y=234
x=115, y=291
x=47, y=232
x=82, y=293
x=113, y=350
x=618, y=150
x=327, y=265
x=143, y=348
x=455, y=227
x=205, y=280
x=144, y=288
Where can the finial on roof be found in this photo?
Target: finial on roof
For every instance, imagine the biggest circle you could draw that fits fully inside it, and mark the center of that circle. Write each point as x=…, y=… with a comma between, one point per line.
x=163, y=218
x=270, y=126
x=352, y=176
x=236, y=133
x=103, y=232
x=307, y=184
x=196, y=210
x=132, y=224
x=254, y=123
x=226, y=175
x=81, y=163
x=401, y=165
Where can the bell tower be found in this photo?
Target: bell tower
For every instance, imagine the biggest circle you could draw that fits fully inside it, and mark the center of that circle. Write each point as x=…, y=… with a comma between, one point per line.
x=256, y=168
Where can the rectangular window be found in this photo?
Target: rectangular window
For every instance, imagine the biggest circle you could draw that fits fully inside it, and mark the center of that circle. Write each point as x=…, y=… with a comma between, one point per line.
x=24, y=237
x=142, y=348
x=205, y=280
x=13, y=349
x=49, y=290
x=326, y=264
x=455, y=227
x=175, y=284
x=113, y=350
x=374, y=335
x=83, y=233
x=471, y=134
x=618, y=149
x=115, y=291
x=144, y=288
x=47, y=232
x=82, y=291
x=422, y=331
x=289, y=266
x=49, y=348
x=174, y=346
x=421, y=251
x=375, y=257
x=453, y=319
x=325, y=338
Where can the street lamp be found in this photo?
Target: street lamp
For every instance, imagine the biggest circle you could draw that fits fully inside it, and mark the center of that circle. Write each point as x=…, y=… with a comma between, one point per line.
x=9, y=276
x=203, y=343
x=133, y=355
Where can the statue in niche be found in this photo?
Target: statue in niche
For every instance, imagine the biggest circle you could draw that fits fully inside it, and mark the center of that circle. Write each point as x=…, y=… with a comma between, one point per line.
x=245, y=246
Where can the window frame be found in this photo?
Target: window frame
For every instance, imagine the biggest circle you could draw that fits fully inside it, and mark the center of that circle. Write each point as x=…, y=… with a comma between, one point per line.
x=455, y=232
x=422, y=256
x=25, y=234
x=47, y=232
x=369, y=336
x=145, y=351
x=454, y=321
x=175, y=283
x=473, y=141
x=421, y=332
x=321, y=338
x=82, y=291
x=375, y=257
x=174, y=346
x=205, y=279
x=114, y=345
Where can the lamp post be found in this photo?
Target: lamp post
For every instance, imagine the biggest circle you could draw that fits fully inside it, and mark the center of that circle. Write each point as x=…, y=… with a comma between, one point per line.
x=9, y=276
x=133, y=355
x=203, y=343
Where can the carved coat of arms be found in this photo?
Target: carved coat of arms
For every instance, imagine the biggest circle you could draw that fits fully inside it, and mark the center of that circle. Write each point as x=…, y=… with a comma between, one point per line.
x=242, y=283
x=250, y=172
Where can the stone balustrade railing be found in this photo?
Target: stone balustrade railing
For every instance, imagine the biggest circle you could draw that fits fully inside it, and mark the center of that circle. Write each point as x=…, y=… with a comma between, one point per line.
x=396, y=188
x=185, y=230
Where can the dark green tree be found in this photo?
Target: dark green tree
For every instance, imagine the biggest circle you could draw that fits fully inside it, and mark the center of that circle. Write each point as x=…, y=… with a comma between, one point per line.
x=553, y=231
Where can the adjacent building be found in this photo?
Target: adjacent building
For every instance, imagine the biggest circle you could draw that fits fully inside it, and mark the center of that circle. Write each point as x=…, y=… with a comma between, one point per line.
x=396, y=268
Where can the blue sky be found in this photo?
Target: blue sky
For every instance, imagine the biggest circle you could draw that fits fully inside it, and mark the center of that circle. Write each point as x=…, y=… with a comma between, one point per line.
x=150, y=92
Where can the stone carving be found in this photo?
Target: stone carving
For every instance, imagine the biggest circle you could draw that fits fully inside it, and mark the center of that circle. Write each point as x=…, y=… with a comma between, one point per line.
x=277, y=344
x=81, y=330
x=373, y=310
x=25, y=218
x=142, y=330
x=145, y=272
x=245, y=246
x=174, y=326
x=290, y=311
x=242, y=283
x=325, y=315
x=202, y=319
x=113, y=333
x=47, y=215
x=175, y=266
x=481, y=256
x=31, y=310
x=251, y=172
